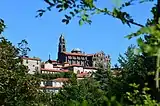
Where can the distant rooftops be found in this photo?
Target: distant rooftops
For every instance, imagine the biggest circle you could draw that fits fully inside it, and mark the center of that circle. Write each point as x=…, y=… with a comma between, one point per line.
x=31, y=58
x=76, y=54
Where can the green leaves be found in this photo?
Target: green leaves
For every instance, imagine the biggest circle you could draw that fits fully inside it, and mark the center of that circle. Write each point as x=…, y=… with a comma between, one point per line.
x=2, y=26
x=141, y=99
x=76, y=8
x=23, y=48
x=16, y=85
x=88, y=3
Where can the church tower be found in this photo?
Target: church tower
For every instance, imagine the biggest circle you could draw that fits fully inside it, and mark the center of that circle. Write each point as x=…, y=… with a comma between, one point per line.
x=61, y=47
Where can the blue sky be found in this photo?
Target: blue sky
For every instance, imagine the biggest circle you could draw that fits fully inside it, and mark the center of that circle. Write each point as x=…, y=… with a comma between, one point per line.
x=105, y=33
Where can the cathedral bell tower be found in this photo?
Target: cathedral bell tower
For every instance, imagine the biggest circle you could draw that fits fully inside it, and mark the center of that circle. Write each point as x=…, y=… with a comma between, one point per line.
x=61, y=47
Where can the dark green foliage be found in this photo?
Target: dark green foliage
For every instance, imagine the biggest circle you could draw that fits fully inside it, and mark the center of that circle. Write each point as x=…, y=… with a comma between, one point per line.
x=86, y=89
x=16, y=86
x=53, y=76
x=23, y=48
x=83, y=9
x=103, y=76
x=8, y=55
x=133, y=66
x=2, y=26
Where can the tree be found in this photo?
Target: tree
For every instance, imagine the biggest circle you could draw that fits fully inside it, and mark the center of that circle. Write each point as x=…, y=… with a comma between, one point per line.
x=23, y=48
x=83, y=9
x=16, y=86
x=77, y=91
x=86, y=8
x=2, y=25
x=133, y=67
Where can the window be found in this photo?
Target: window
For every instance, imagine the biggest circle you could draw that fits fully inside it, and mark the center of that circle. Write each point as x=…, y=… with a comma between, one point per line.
x=69, y=57
x=54, y=65
x=78, y=72
x=36, y=68
x=37, y=62
x=27, y=61
x=73, y=62
x=78, y=62
x=42, y=66
x=33, y=65
x=48, y=83
x=82, y=63
x=74, y=57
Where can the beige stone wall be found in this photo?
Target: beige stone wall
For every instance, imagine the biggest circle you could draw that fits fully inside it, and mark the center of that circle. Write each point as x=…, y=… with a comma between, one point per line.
x=76, y=69
x=33, y=65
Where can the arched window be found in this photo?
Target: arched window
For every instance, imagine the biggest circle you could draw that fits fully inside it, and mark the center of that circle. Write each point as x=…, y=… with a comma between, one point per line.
x=78, y=72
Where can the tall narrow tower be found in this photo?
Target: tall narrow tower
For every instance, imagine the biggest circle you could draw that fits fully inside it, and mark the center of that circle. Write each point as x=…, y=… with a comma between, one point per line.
x=61, y=47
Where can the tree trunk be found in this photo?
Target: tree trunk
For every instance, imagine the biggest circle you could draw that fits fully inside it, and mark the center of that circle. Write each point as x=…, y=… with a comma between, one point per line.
x=158, y=56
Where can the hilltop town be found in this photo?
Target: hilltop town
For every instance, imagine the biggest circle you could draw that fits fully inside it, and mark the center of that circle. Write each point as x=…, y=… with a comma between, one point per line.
x=82, y=64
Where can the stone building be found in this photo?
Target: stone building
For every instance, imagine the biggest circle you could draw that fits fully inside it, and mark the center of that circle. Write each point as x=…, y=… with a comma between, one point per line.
x=33, y=64
x=76, y=56
x=76, y=61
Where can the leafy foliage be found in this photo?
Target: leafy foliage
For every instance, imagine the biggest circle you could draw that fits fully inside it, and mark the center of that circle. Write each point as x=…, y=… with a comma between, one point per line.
x=83, y=9
x=53, y=76
x=16, y=86
x=23, y=48
x=2, y=26
x=86, y=8
x=141, y=99
x=19, y=88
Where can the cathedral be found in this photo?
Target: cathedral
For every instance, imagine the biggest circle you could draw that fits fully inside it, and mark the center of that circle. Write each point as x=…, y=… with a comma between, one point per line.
x=76, y=56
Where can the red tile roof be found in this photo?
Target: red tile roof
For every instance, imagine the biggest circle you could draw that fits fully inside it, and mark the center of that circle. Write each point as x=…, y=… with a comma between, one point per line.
x=53, y=61
x=77, y=65
x=61, y=79
x=66, y=63
x=56, y=67
x=73, y=65
x=57, y=63
x=53, y=70
x=82, y=75
x=76, y=54
x=28, y=58
x=90, y=67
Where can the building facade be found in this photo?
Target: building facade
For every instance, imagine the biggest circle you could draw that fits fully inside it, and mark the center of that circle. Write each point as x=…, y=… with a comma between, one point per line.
x=76, y=56
x=33, y=64
x=83, y=65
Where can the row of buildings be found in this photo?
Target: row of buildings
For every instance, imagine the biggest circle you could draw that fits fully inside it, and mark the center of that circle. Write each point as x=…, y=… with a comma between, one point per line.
x=80, y=63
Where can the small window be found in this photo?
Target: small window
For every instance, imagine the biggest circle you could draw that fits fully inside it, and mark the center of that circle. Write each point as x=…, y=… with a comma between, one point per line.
x=78, y=72
x=49, y=83
x=54, y=64
x=42, y=66
x=27, y=61
x=33, y=65
x=37, y=62
x=36, y=68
